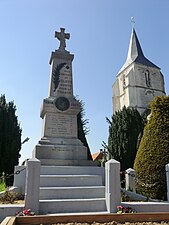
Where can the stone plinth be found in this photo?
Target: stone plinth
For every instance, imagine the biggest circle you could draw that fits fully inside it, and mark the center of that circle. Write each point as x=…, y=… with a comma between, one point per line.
x=61, y=151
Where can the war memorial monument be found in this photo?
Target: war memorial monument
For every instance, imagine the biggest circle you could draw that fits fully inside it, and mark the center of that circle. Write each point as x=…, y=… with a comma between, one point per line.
x=59, y=178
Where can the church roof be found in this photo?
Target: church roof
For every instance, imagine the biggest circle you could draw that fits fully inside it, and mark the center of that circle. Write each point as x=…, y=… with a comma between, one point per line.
x=135, y=53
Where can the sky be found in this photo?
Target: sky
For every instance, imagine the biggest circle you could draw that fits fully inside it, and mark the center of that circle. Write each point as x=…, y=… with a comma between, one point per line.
x=99, y=38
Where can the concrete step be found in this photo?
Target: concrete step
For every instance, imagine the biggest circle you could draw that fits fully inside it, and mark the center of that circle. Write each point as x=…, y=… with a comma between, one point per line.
x=72, y=192
x=74, y=170
x=70, y=180
x=72, y=205
x=67, y=162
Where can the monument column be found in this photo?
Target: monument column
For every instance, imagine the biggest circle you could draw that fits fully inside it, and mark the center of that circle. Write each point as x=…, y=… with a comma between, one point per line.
x=59, y=144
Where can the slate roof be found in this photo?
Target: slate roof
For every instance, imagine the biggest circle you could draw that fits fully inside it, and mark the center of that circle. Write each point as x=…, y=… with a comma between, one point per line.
x=135, y=53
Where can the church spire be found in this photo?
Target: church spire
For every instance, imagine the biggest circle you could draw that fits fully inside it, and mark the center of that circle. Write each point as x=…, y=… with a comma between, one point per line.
x=135, y=53
x=134, y=50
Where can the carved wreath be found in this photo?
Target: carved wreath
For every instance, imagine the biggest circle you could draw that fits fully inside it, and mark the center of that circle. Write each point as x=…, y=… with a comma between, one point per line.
x=56, y=75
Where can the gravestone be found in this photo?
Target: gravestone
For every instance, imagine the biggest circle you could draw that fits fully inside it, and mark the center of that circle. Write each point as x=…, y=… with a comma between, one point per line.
x=59, y=144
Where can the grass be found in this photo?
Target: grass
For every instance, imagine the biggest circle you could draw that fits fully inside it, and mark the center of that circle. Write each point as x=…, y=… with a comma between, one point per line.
x=2, y=186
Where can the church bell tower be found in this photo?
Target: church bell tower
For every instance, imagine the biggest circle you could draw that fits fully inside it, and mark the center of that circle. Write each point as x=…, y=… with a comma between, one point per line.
x=138, y=81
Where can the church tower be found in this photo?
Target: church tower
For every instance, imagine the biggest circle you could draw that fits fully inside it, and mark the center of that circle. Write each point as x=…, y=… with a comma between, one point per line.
x=138, y=81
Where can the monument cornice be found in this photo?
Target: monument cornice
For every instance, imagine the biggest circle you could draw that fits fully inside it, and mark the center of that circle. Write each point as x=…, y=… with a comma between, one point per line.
x=61, y=55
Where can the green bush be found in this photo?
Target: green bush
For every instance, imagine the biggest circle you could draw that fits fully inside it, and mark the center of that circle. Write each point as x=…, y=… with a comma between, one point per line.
x=152, y=155
x=2, y=186
x=2, y=182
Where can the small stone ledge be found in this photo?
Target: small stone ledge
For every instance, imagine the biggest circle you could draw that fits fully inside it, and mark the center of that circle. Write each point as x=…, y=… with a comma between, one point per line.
x=147, y=207
x=9, y=210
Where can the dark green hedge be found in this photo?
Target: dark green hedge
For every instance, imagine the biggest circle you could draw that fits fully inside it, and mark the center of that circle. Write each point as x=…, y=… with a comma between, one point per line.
x=124, y=129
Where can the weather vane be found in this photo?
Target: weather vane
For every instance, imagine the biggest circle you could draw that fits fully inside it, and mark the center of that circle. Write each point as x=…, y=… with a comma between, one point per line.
x=132, y=21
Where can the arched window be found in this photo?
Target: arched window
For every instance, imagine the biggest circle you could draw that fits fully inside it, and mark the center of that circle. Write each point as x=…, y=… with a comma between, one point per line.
x=147, y=76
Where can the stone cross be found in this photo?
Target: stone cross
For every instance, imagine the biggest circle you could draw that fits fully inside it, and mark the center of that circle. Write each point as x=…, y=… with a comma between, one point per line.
x=62, y=36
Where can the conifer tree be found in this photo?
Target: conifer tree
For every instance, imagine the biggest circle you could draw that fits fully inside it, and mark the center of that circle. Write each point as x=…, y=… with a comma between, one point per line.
x=82, y=128
x=152, y=155
x=124, y=129
x=10, y=136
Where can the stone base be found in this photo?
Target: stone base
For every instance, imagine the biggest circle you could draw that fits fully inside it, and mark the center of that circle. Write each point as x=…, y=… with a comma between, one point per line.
x=60, y=140
x=61, y=152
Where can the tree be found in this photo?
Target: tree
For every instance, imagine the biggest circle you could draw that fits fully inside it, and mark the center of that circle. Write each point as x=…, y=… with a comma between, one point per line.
x=82, y=128
x=124, y=129
x=152, y=155
x=10, y=136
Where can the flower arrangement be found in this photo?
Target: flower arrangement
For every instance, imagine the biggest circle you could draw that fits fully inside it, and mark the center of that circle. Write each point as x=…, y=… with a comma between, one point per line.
x=122, y=209
x=25, y=212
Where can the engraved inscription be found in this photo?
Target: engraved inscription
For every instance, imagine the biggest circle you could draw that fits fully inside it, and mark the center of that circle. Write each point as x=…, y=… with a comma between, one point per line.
x=65, y=85
x=61, y=125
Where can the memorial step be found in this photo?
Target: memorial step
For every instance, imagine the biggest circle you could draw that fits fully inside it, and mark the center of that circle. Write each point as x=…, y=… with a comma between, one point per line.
x=74, y=170
x=66, y=189
x=72, y=205
x=70, y=180
x=72, y=192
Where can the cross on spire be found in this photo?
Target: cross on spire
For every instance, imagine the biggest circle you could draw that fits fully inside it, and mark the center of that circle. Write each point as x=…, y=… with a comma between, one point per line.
x=132, y=21
x=62, y=36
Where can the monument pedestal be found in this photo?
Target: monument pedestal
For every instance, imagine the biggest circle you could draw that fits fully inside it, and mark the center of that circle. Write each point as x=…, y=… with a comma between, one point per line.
x=63, y=151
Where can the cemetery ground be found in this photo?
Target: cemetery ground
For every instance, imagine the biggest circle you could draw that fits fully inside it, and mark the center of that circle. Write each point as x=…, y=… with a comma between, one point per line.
x=11, y=197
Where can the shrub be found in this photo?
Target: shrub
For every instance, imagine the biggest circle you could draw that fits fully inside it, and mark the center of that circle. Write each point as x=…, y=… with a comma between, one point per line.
x=2, y=182
x=2, y=186
x=152, y=155
x=124, y=129
x=10, y=197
